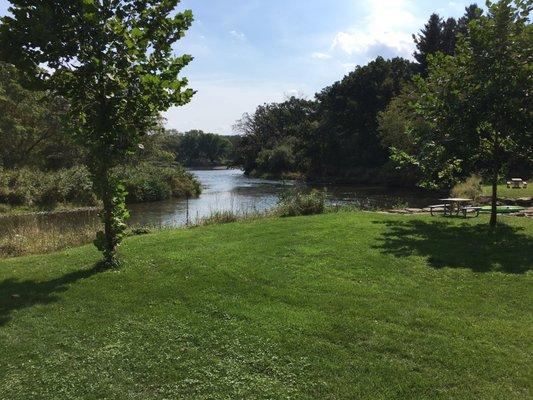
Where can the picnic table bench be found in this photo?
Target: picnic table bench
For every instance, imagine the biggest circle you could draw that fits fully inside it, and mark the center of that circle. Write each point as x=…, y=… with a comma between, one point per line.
x=436, y=207
x=471, y=209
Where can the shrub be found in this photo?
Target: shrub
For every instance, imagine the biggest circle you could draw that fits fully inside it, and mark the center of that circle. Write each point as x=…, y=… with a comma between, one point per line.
x=19, y=187
x=220, y=217
x=276, y=161
x=146, y=182
x=78, y=186
x=293, y=203
x=32, y=187
x=470, y=188
x=28, y=187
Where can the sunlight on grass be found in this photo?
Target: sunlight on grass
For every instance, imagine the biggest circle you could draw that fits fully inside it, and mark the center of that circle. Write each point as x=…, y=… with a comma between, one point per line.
x=346, y=305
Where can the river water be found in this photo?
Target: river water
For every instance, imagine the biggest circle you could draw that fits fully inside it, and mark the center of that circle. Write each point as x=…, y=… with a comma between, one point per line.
x=230, y=190
x=224, y=190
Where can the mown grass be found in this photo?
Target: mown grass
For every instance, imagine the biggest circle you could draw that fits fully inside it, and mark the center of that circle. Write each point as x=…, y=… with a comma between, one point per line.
x=335, y=306
x=504, y=191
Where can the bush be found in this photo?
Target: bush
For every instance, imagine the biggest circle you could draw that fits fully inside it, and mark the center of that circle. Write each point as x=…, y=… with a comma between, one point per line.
x=471, y=188
x=276, y=161
x=28, y=187
x=32, y=187
x=146, y=182
x=295, y=203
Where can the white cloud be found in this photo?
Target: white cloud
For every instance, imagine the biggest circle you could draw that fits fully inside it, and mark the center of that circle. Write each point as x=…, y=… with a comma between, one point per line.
x=320, y=56
x=385, y=31
x=237, y=35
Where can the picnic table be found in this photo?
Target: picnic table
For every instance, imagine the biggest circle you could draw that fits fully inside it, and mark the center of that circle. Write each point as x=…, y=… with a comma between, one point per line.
x=454, y=205
x=517, y=183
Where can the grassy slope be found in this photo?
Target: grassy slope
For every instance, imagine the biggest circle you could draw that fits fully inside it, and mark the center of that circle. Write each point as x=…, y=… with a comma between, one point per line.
x=338, y=306
x=504, y=191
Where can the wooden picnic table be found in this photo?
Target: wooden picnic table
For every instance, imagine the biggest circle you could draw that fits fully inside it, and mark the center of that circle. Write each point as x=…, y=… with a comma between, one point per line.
x=454, y=205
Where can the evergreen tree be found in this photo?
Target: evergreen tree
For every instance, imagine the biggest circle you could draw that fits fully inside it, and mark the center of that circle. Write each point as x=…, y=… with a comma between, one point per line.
x=449, y=36
x=472, y=12
x=429, y=41
x=439, y=35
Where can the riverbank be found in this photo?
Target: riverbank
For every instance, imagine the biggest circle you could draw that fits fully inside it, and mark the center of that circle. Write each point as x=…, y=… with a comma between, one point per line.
x=42, y=233
x=28, y=190
x=346, y=305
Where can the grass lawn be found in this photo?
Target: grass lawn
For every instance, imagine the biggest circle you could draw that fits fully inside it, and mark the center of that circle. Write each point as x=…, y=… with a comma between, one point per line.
x=336, y=306
x=504, y=191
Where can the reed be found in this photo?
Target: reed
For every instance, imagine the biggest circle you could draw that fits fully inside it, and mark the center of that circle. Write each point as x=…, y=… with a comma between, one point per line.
x=41, y=237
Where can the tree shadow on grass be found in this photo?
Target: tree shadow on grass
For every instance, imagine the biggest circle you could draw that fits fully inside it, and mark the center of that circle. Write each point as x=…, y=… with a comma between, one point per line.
x=477, y=247
x=16, y=294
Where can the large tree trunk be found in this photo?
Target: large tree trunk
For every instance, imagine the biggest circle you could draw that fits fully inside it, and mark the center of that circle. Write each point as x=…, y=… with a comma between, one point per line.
x=494, y=200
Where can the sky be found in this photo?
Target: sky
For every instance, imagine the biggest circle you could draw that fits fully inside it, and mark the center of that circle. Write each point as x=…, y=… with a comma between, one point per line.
x=250, y=52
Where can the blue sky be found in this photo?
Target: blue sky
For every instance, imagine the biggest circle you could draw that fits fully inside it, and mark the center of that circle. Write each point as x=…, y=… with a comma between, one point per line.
x=248, y=52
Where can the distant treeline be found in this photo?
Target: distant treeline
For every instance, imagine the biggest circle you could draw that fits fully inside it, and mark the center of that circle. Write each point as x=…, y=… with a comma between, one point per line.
x=196, y=148
x=347, y=132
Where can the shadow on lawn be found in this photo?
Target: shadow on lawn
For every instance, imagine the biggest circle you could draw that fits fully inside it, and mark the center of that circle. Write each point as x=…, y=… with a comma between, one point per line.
x=16, y=294
x=477, y=247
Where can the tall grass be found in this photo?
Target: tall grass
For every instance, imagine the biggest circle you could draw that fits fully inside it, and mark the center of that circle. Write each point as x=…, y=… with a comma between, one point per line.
x=471, y=188
x=35, y=236
x=295, y=202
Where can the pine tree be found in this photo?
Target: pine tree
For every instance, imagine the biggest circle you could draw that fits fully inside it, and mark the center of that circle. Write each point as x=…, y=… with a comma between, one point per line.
x=429, y=41
x=449, y=36
x=472, y=12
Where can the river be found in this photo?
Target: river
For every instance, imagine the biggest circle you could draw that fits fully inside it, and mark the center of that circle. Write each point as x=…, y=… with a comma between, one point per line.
x=224, y=190
x=231, y=190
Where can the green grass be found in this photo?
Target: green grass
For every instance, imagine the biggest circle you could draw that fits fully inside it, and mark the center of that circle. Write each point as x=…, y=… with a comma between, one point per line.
x=504, y=191
x=337, y=306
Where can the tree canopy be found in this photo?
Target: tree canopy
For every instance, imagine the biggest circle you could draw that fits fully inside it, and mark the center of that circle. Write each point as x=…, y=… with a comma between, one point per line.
x=112, y=60
x=341, y=134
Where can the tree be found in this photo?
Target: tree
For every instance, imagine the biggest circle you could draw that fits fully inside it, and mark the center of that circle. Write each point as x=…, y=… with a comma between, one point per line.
x=277, y=126
x=438, y=35
x=334, y=136
x=449, y=36
x=399, y=120
x=112, y=61
x=31, y=126
x=472, y=12
x=347, y=113
x=200, y=149
x=429, y=41
x=478, y=102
